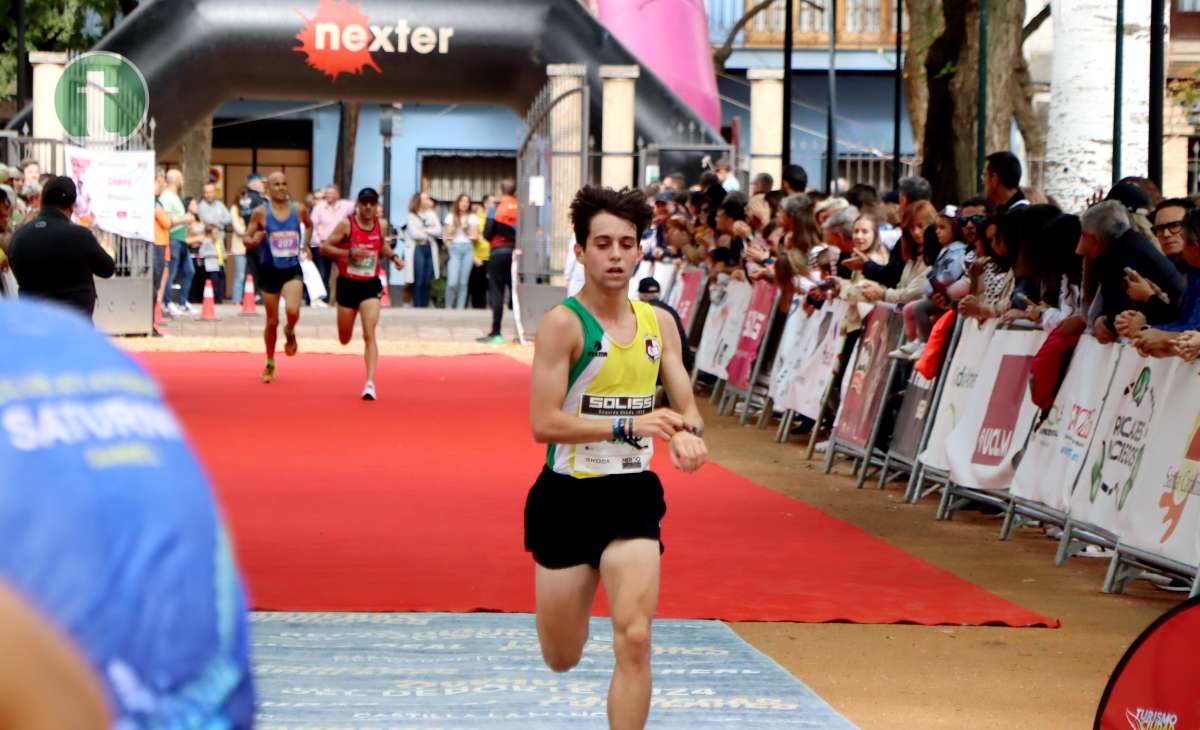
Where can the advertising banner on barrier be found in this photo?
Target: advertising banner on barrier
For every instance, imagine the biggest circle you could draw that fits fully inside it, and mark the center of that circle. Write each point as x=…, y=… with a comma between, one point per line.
x=664, y=273
x=981, y=449
x=913, y=416
x=960, y=387
x=867, y=381
x=722, y=329
x=807, y=389
x=1122, y=434
x=792, y=344
x=686, y=295
x=1161, y=515
x=1053, y=458
x=114, y=190
x=754, y=329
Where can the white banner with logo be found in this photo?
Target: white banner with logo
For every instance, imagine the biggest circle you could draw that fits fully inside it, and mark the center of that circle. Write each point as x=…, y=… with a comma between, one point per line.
x=114, y=190
x=994, y=426
x=792, y=343
x=1054, y=456
x=814, y=373
x=1117, y=455
x=722, y=328
x=1162, y=512
x=961, y=377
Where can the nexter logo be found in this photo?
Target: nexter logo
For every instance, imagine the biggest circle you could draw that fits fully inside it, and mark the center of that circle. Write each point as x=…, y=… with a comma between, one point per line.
x=340, y=38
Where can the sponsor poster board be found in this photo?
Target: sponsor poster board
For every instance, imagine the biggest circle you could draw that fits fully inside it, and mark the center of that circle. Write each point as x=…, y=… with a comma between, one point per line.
x=1162, y=513
x=721, y=328
x=114, y=190
x=962, y=374
x=981, y=450
x=865, y=384
x=913, y=416
x=812, y=378
x=1118, y=451
x=754, y=328
x=686, y=296
x=792, y=345
x=1054, y=456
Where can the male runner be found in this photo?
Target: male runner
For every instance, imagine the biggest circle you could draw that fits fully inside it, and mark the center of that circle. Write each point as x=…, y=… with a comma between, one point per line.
x=594, y=512
x=278, y=223
x=356, y=244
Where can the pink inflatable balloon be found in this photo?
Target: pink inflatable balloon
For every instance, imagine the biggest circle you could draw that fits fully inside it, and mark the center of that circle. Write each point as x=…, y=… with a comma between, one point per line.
x=670, y=37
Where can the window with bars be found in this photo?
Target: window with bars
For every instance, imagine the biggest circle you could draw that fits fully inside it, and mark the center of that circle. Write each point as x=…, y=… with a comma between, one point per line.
x=863, y=16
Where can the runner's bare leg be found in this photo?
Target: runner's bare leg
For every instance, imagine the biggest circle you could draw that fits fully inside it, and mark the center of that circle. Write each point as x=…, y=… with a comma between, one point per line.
x=630, y=570
x=564, y=607
x=293, y=296
x=370, y=319
x=271, y=330
x=345, y=318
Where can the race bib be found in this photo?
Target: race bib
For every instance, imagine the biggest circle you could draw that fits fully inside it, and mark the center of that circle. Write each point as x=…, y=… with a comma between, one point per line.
x=285, y=244
x=364, y=267
x=607, y=457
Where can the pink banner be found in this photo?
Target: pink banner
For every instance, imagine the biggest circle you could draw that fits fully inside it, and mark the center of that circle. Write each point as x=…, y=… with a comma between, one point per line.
x=867, y=382
x=689, y=294
x=754, y=329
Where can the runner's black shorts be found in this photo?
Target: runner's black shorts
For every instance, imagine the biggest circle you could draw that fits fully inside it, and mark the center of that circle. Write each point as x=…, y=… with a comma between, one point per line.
x=571, y=521
x=353, y=292
x=271, y=279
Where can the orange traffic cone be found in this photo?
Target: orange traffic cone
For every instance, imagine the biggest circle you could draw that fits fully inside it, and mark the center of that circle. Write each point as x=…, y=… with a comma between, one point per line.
x=387, y=299
x=209, y=310
x=248, y=298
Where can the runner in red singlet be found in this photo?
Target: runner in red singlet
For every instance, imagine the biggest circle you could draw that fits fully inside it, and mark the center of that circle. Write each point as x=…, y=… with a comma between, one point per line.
x=358, y=244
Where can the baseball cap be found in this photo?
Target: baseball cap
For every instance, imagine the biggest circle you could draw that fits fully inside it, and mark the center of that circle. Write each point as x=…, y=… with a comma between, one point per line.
x=665, y=196
x=649, y=285
x=59, y=192
x=253, y=176
x=368, y=195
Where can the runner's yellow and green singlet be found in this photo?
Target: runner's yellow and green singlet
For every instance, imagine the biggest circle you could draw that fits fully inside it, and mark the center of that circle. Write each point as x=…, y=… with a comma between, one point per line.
x=610, y=380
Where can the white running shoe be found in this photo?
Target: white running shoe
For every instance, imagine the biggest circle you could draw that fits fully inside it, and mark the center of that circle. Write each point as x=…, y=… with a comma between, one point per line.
x=906, y=350
x=173, y=309
x=917, y=353
x=368, y=391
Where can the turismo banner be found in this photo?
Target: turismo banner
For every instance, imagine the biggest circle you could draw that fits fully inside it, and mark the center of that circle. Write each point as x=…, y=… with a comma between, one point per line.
x=960, y=387
x=807, y=389
x=866, y=386
x=982, y=448
x=722, y=327
x=1116, y=456
x=114, y=190
x=793, y=344
x=686, y=296
x=1161, y=515
x=1053, y=458
x=754, y=329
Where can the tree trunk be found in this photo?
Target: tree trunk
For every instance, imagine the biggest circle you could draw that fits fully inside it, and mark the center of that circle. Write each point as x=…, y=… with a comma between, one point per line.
x=343, y=165
x=925, y=25
x=1079, y=141
x=195, y=158
x=1032, y=130
x=952, y=67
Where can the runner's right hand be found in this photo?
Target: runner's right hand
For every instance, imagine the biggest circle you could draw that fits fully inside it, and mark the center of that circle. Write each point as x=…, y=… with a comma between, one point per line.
x=662, y=423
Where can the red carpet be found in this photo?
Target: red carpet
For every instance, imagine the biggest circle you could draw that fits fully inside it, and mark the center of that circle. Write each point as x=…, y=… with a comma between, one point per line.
x=414, y=503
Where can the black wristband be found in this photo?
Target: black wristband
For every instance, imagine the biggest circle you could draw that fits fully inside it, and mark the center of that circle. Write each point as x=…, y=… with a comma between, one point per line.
x=695, y=431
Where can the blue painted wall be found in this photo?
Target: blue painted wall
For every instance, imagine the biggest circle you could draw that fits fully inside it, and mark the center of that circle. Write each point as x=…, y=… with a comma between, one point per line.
x=419, y=127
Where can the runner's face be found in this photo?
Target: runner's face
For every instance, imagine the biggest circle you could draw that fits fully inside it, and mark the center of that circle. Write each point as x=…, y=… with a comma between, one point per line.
x=278, y=187
x=612, y=252
x=366, y=211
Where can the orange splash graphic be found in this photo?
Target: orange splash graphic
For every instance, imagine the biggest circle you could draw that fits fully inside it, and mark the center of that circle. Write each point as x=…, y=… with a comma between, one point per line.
x=334, y=59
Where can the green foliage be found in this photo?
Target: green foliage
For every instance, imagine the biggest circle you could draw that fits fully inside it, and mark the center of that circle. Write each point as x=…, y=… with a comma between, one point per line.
x=950, y=69
x=52, y=25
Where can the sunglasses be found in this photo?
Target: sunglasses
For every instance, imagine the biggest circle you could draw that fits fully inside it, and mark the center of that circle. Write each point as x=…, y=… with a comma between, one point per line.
x=976, y=219
x=1173, y=228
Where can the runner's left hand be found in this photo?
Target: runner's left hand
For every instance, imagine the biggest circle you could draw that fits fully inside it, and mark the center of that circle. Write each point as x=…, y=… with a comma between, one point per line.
x=399, y=262
x=688, y=452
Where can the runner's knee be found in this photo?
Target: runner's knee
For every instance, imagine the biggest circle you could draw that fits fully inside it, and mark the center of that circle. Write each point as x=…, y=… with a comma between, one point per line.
x=631, y=640
x=560, y=659
x=344, y=337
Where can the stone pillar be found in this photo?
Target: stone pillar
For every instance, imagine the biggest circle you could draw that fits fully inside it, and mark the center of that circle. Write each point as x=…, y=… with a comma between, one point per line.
x=766, y=122
x=568, y=140
x=617, y=140
x=47, y=70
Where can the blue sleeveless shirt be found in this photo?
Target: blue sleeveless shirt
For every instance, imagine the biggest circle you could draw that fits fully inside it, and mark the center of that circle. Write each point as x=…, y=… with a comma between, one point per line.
x=281, y=247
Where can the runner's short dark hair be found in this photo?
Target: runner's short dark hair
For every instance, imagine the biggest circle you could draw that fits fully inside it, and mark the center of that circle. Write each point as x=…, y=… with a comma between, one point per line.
x=627, y=204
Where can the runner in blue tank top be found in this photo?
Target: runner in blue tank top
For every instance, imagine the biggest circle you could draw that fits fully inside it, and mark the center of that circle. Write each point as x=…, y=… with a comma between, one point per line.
x=277, y=225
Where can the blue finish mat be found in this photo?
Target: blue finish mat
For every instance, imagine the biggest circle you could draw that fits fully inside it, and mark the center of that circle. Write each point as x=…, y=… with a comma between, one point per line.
x=484, y=671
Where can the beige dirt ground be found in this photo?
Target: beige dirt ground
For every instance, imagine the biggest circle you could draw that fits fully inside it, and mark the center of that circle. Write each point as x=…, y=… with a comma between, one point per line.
x=905, y=676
